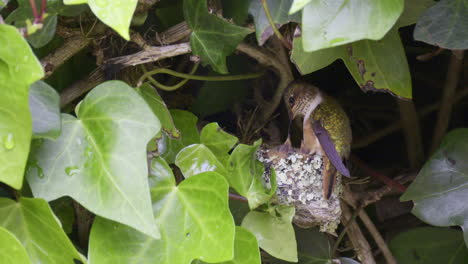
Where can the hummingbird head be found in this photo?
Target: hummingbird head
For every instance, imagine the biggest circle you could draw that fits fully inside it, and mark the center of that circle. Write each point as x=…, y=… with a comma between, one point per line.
x=301, y=99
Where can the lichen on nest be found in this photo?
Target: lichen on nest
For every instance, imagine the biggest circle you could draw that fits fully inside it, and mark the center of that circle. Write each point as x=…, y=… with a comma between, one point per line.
x=299, y=180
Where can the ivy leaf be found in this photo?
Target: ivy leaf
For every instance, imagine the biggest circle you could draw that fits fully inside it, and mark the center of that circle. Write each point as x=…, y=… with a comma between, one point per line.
x=32, y=222
x=274, y=231
x=198, y=158
x=313, y=247
x=193, y=215
x=217, y=140
x=12, y=251
x=212, y=38
x=380, y=65
x=117, y=14
x=19, y=68
x=307, y=62
x=440, y=190
x=375, y=65
x=3, y=3
x=298, y=5
x=156, y=103
x=429, y=245
x=100, y=157
x=186, y=123
x=245, y=175
x=43, y=36
x=330, y=23
x=444, y=25
x=279, y=14
x=242, y=169
x=245, y=249
x=44, y=103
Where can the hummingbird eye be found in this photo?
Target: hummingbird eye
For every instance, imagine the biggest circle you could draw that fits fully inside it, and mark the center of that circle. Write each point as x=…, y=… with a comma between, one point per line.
x=291, y=100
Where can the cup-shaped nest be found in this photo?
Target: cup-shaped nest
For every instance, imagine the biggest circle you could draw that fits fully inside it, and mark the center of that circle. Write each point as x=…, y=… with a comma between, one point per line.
x=299, y=179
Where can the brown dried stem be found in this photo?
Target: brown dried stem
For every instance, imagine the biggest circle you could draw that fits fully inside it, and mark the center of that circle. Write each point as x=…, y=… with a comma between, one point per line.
x=58, y=57
x=356, y=236
x=80, y=87
x=151, y=54
x=370, y=197
x=410, y=121
x=268, y=59
x=377, y=175
x=443, y=118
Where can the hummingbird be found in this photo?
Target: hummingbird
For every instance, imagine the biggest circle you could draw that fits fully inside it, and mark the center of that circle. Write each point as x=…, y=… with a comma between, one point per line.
x=326, y=129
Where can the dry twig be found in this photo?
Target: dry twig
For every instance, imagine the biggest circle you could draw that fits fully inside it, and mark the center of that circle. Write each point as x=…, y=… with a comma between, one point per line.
x=410, y=121
x=443, y=118
x=356, y=236
x=58, y=57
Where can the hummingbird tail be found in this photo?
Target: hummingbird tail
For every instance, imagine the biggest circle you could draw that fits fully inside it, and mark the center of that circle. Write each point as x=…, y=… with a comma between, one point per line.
x=329, y=178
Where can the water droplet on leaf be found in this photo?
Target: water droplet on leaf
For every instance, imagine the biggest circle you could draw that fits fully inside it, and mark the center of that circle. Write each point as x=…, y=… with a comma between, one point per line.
x=40, y=172
x=72, y=170
x=9, y=141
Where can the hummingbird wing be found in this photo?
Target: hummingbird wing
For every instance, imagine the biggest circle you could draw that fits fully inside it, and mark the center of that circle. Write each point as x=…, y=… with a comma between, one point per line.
x=329, y=148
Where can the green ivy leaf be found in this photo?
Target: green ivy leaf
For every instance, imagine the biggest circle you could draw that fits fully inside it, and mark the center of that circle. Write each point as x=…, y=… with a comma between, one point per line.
x=245, y=249
x=313, y=247
x=440, y=190
x=217, y=140
x=429, y=245
x=375, y=65
x=44, y=103
x=100, y=158
x=193, y=215
x=117, y=14
x=32, y=222
x=12, y=252
x=380, y=65
x=198, y=158
x=274, y=231
x=19, y=68
x=156, y=103
x=298, y=5
x=3, y=3
x=245, y=175
x=241, y=169
x=186, y=123
x=279, y=13
x=330, y=23
x=307, y=62
x=43, y=36
x=212, y=38
x=444, y=25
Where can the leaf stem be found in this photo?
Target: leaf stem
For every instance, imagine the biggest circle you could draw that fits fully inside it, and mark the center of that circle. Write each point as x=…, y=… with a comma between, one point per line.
x=273, y=26
x=343, y=232
x=170, y=87
x=34, y=10
x=236, y=197
x=43, y=7
x=199, y=77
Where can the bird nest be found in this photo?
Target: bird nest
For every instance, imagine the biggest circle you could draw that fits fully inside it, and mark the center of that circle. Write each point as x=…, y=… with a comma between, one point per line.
x=299, y=180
